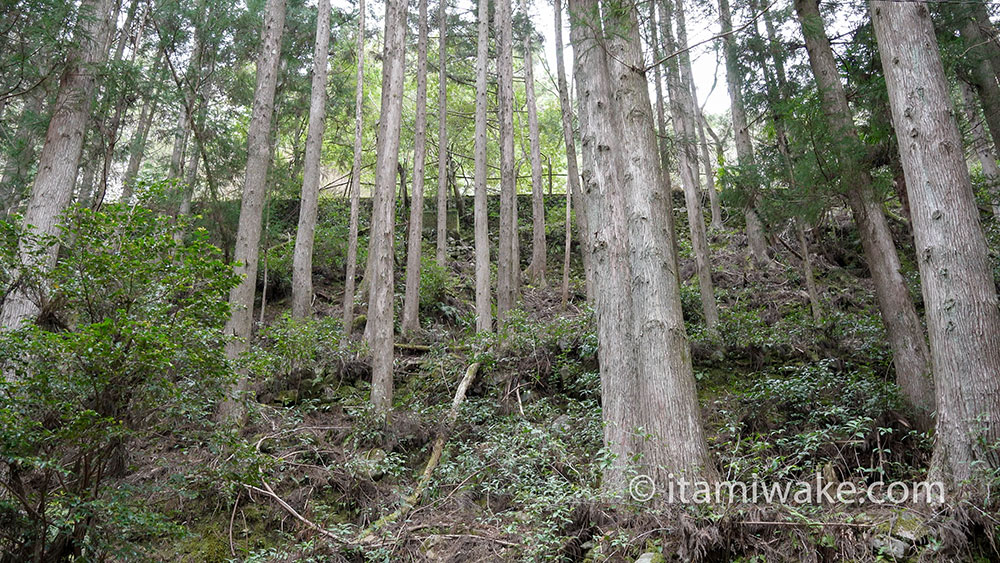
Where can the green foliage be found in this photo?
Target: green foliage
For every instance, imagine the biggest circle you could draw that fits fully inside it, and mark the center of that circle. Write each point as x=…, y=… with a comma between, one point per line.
x=131, y=345
x=789, y=422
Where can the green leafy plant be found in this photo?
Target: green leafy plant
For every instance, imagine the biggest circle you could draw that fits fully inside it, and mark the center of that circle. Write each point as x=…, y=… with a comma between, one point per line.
x=131, y=345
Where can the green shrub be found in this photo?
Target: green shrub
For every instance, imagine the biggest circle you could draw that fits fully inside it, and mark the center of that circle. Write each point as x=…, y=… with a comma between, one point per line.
x=132, y=345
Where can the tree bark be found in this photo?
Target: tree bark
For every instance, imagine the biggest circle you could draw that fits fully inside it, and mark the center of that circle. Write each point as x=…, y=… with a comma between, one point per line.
x=673, y=445
x=442, y=189
x=682, y=106
x=956, y=279
x=536, y=269
x=572, y=168
x=910, y=352
x=707, y=162
x=411, y=301
x=484, y=313
x=352, y=241
x=380, y=313
x=981, y=146
x=741, y=132
x=60, y=157
x=605, y=205
x=508, y=270
x=656, y=22
x=302, y=292
x=16, y=170
x=984, y=75
x=137, y=147
x=241, y=298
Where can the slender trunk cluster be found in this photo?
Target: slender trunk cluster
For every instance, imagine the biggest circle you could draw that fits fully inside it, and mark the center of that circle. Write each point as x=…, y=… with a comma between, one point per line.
x=741, y=131
x=355, y=186
x=536, y=269
x=684, y=112
x=305, y=235
x=380, y=247
x=573, y=194
x=981, y=145
x=59, y=160
x=442, y=188
x=411, y=302
x=906, y=336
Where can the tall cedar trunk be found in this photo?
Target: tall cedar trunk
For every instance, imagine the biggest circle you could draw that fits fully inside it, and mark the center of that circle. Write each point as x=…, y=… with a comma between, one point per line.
x=60, y=157
x=536, y=269
x=305, y=235
x=683, y=110
x=777, y=91
x=741, y=131
x=663, y=139
x=508, y=270
x=572, y=169
x=16, y=170
x=411, y=302
x=672, y=444
x=442, y=188
x=981, y=146
x=605, y=206
x=709, y=165
x=906, y=336
x=137, y=148
x=352, y=240
x=956, y=279
x=384, y=205
x=111, y=126
x=484, y=313
x=984, y=75
x=176, y=168
x=241, y=298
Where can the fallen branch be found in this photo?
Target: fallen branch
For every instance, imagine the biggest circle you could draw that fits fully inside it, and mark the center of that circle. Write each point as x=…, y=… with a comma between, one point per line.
x=409, y=502
x=425, y=347
x=288, y=508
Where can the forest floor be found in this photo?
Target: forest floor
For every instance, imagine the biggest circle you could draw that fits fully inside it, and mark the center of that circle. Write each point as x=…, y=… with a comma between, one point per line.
x=316, y=476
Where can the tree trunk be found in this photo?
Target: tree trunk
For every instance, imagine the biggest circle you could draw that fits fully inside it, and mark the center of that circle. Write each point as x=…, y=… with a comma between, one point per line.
x=807, y=271
x=380, y=313
x=442, y=189
x=984, y=75
x=411, y=302
x=903, y=328
x=508, y=270
x=536, y=269
x=484, y=313
x=15, y=174
x=241, y=298
x=683, y=110
x=708, y=163
x=352, y=241
x=305, y=235
x=60, y=157
x=741, y=132
x=605, y=205
x=981, y=146
x=672, y=445
x=778, y=93
x=572, y=169
x=137, y=147
x=957, y=282
x=663, y=139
